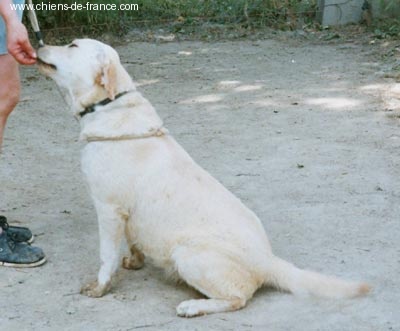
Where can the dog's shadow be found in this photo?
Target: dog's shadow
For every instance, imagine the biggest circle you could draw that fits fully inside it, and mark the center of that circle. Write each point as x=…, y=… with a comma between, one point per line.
x=143, y=283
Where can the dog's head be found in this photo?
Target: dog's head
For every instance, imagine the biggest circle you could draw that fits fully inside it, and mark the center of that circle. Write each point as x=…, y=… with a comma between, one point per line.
x=87, y=69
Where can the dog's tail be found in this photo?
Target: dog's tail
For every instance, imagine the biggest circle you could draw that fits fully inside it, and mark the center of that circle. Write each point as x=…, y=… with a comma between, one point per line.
x=288, y=277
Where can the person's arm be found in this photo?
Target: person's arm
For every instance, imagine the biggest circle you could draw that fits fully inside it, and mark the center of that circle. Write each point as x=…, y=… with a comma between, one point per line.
x=17, y=37
x=6, y=12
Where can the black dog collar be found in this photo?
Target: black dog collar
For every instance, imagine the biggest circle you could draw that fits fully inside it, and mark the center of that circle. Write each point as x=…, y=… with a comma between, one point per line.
x=92, y=108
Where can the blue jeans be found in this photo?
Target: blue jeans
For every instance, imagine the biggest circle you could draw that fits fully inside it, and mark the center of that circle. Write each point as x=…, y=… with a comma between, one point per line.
x=3, y=32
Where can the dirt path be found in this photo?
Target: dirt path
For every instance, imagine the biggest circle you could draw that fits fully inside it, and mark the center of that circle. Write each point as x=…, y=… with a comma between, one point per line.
x=297, y=132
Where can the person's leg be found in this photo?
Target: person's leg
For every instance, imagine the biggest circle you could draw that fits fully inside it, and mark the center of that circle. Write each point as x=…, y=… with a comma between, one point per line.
x=9, y=77
x=9, y=84
x=9, y=89
x=15, y=250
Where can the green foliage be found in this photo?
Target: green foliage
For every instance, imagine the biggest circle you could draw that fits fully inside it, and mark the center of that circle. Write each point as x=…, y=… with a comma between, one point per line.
x=386, y=28
x=82, y=20
x=388, y=5
x=249, y=13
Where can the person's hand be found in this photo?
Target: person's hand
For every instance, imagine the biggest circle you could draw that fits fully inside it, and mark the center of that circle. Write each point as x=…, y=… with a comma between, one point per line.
x=18, y=44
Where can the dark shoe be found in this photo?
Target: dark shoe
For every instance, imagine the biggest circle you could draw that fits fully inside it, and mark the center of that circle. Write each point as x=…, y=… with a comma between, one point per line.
x=19, y=254
x=17, y=233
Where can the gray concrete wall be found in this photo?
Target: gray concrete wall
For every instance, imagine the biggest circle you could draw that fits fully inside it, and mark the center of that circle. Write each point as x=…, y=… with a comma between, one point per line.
x=340, y=12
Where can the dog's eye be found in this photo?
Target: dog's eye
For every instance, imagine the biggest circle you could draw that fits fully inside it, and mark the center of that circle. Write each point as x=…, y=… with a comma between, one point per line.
x=72, y=45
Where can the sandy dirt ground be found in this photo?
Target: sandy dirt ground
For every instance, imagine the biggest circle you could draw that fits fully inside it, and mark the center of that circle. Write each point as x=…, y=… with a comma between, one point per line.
x=297, y=130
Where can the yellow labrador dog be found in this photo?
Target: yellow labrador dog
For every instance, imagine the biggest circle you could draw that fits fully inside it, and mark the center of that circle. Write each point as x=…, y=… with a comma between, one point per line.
x=172, y=211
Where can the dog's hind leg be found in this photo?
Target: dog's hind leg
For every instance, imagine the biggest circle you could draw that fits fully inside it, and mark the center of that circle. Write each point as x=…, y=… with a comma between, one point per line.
x=136, y=259
x=111, y=227
x=226, y=283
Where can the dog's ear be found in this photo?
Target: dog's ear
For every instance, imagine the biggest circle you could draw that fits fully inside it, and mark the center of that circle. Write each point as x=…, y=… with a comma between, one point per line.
x=107, y=78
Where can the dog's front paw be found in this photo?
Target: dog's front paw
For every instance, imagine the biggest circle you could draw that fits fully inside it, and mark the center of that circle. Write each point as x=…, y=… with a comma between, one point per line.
x=94, y=290
x=189, y=308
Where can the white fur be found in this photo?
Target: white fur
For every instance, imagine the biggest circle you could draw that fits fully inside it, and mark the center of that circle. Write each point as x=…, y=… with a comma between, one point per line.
x=171, y=210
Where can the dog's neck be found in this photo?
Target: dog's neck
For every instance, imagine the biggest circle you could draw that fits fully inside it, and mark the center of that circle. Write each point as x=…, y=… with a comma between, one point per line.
x=128, y=117
x=92, y=107
x=100, y=92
